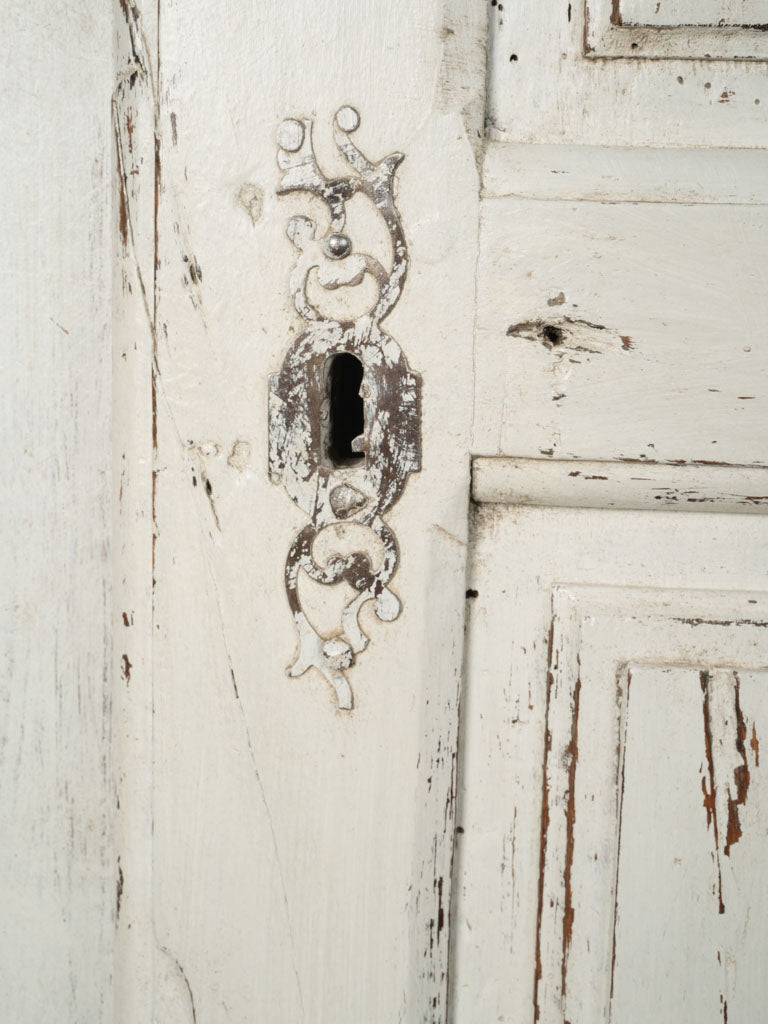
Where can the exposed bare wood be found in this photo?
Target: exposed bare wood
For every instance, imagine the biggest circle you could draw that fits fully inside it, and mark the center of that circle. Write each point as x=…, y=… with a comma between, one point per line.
x=552, y=80
x=609, y=729
x=673, y=367
x=134, y=129
x=274, y=812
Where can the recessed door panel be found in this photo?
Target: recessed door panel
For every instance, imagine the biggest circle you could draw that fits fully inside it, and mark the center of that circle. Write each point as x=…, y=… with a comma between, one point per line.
x=612, y=807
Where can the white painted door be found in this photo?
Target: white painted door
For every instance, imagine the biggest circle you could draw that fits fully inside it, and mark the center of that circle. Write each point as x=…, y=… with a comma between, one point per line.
x=286, y=839
x=391, y=338
x=612, y=827
x=612, y=812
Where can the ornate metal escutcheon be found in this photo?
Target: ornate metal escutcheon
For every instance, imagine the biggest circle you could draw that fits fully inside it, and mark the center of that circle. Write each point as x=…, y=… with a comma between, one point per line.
x=344, y=409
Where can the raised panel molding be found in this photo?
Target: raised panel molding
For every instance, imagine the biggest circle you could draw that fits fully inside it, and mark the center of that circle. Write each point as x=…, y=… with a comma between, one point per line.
x=653, y=806
x=718, y=30
x=679, y=86
x=590, y=634
x=571, y=483
x=714, y=13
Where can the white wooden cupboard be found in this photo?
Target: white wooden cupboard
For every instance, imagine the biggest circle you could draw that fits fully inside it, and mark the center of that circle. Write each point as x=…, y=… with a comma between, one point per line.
x=518, y=563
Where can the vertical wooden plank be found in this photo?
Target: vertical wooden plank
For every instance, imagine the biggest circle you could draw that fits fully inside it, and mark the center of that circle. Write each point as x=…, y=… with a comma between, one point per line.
x=301, y=865
x=134, y=118
x=56, y=867
x=682, y=99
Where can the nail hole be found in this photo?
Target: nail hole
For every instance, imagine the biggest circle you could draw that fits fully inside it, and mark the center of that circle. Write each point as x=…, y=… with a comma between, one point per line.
x=552, y=334
x=347, y=418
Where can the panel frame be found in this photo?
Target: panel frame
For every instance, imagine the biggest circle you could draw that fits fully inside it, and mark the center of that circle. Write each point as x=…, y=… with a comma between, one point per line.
x=613, y=101
x=609, y=36
x=519, y=553
x=689, y=12
x=695, y=618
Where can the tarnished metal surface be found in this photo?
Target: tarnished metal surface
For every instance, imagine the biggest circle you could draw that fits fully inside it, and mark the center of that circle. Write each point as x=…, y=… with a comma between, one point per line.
x=330, y=490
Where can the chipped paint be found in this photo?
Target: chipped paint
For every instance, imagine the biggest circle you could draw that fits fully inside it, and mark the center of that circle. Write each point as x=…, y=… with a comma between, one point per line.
x=251, y=198
x=330, y=490
x=737, y=795
x=570, y=334
x=709, y=795
x=755, y=746
x=582, y=744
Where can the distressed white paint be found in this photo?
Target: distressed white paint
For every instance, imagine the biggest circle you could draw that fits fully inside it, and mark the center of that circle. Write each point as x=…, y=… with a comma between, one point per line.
x=134, y=100
x=276, y=858
x=693, y=12
x=57, y=869
x=300, y=856
x=683, y=863
x=676, y=292
x=615, y=282
x=544, y=88
x=627, y=485
x=609, y=646
x=549, y=666
x=665, y=36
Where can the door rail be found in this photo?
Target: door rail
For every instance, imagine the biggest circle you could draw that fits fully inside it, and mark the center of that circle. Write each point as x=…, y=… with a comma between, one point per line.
x=640, y=485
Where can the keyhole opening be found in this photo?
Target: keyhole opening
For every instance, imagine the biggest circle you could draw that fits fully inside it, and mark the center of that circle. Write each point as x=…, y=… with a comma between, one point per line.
x=347, y=417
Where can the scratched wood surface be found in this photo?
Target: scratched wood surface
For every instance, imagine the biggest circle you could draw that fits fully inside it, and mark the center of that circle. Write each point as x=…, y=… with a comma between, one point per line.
x=57, y=870
x=709, y=30
x=622, y=330
x=675, y=97
x=296, y=864
x=630, y=485
x=237, y=847
x=134, y=107
x=612, y=804
x=694, y=12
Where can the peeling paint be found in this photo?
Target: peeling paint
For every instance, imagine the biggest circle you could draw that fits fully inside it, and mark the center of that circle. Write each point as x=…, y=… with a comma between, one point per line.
x=709, y=796
x=240, y=455
x=251, y=198
x=741, y=776
x=330, y=488
x=572, y=757
x=568, y=334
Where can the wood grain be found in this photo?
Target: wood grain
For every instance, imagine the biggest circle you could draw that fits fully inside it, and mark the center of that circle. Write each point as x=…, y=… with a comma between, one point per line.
x=584, y=97
x=301, y=856
x=57, y=868
x=621, y=331
x=589, y=711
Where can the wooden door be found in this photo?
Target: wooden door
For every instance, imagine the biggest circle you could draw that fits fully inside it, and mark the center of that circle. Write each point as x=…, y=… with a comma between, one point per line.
x=332, y=322
x=612, y=809
x=611, y=831
x=286, y=838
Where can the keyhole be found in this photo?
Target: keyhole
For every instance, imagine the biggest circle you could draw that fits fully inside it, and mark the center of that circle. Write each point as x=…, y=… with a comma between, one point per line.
x=347, y=419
